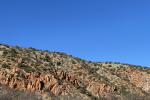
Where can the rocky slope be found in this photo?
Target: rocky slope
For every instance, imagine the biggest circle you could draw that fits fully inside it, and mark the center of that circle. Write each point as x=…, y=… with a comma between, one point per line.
x=55, y=75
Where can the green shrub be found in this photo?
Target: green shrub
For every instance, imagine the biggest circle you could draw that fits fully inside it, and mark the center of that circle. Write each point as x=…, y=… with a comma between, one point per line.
x=5, y=65
x=26, y=68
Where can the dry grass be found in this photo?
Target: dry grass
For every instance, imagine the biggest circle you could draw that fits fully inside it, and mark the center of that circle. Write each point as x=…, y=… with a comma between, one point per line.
x=10, y=94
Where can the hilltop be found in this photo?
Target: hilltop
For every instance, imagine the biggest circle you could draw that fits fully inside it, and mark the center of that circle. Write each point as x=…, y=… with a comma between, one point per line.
x=48, y=75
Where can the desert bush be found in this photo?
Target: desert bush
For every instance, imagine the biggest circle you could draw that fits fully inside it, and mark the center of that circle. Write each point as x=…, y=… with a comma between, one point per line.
x=13, y=52
x=26, y=67
x=4, y=65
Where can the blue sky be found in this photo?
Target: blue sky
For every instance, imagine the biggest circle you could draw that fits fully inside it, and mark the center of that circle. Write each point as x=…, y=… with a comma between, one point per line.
x=97, y=30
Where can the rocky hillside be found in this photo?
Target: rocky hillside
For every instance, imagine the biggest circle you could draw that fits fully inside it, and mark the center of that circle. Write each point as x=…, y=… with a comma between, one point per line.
x=57, y=76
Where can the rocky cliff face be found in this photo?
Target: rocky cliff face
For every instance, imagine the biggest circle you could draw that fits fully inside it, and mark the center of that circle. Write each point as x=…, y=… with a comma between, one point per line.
x=57, y=75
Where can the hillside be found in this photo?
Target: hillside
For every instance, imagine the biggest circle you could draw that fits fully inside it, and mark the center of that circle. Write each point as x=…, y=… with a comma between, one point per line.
x=54, y=75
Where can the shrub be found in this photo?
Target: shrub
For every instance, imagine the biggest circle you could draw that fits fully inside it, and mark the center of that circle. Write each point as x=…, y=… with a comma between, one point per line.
x=26, y=68
x=5, y=65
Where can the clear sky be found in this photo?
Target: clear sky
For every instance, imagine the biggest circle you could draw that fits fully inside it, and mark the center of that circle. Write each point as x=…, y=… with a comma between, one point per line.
x=97, y=30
